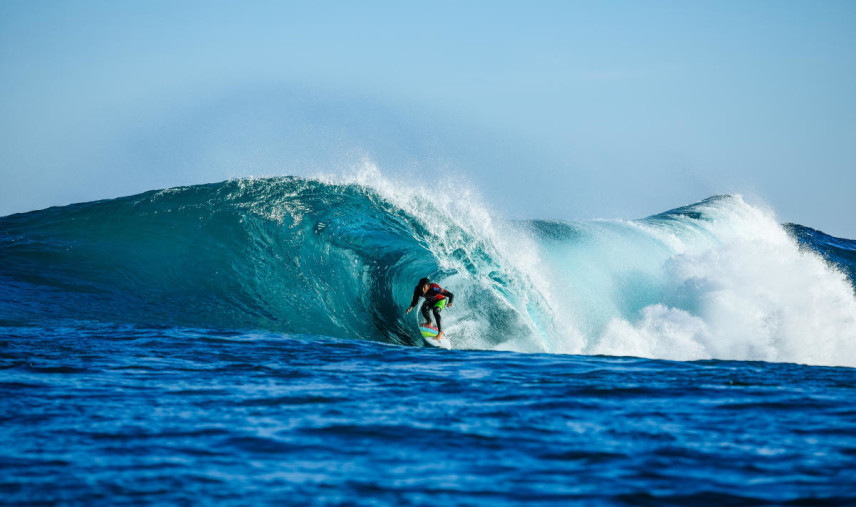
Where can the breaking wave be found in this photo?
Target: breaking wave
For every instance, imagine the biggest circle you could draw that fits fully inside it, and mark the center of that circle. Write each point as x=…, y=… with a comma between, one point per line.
x=339, y=257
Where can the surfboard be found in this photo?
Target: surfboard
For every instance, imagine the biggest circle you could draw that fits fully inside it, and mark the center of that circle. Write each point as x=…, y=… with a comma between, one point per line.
x=429, y=335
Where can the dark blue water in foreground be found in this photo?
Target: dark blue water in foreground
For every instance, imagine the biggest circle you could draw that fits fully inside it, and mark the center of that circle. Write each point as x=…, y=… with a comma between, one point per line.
x=123, y=415
x=245, y=343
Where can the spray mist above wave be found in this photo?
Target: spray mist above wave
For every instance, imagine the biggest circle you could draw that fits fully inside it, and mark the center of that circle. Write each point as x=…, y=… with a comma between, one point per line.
x=339, y=256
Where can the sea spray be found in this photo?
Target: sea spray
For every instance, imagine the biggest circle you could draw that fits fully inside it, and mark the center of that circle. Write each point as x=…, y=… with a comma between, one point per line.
x=735, y=285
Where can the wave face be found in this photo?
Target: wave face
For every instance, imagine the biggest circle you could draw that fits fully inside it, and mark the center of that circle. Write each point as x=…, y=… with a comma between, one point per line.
x=339, y=257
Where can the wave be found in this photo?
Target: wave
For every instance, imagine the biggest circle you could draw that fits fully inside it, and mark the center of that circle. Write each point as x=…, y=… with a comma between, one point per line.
x=340, y=256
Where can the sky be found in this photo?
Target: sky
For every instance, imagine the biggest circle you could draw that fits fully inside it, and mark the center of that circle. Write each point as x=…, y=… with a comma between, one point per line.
x=560, y=110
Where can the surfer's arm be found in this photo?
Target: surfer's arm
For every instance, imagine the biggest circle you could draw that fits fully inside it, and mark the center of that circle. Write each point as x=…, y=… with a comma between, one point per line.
x=449, y=295
x=414, y=301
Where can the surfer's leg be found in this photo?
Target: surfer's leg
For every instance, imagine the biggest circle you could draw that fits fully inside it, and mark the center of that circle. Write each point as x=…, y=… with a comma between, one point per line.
x=437, y=318
x=426, y=313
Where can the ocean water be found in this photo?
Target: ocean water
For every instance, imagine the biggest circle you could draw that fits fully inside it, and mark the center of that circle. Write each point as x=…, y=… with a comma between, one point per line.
x=245, y=343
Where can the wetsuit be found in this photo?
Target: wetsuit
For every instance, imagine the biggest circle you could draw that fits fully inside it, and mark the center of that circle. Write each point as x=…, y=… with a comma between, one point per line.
x=434, y=295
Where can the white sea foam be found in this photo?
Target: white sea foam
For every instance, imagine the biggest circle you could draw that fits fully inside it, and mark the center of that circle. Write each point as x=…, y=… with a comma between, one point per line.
x=720, y=279
x=735, y=285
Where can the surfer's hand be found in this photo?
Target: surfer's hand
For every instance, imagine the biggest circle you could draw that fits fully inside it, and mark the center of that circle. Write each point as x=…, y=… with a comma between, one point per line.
x=408, y=310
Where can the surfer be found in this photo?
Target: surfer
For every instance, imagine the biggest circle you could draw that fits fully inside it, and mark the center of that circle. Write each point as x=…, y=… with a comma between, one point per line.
x=436, y=298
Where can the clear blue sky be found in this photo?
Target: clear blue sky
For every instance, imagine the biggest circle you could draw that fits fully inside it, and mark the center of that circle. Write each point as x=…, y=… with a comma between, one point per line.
x=550, y=109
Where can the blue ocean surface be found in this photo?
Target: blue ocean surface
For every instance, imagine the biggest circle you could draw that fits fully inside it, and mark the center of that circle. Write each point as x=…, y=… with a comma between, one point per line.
x=245, y=342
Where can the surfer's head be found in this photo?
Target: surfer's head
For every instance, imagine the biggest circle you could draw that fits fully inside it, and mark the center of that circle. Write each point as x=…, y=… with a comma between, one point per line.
x=424, y=284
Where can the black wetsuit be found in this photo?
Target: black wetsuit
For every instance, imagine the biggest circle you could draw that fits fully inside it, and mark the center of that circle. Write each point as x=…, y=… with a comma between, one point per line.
x=435, y=293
